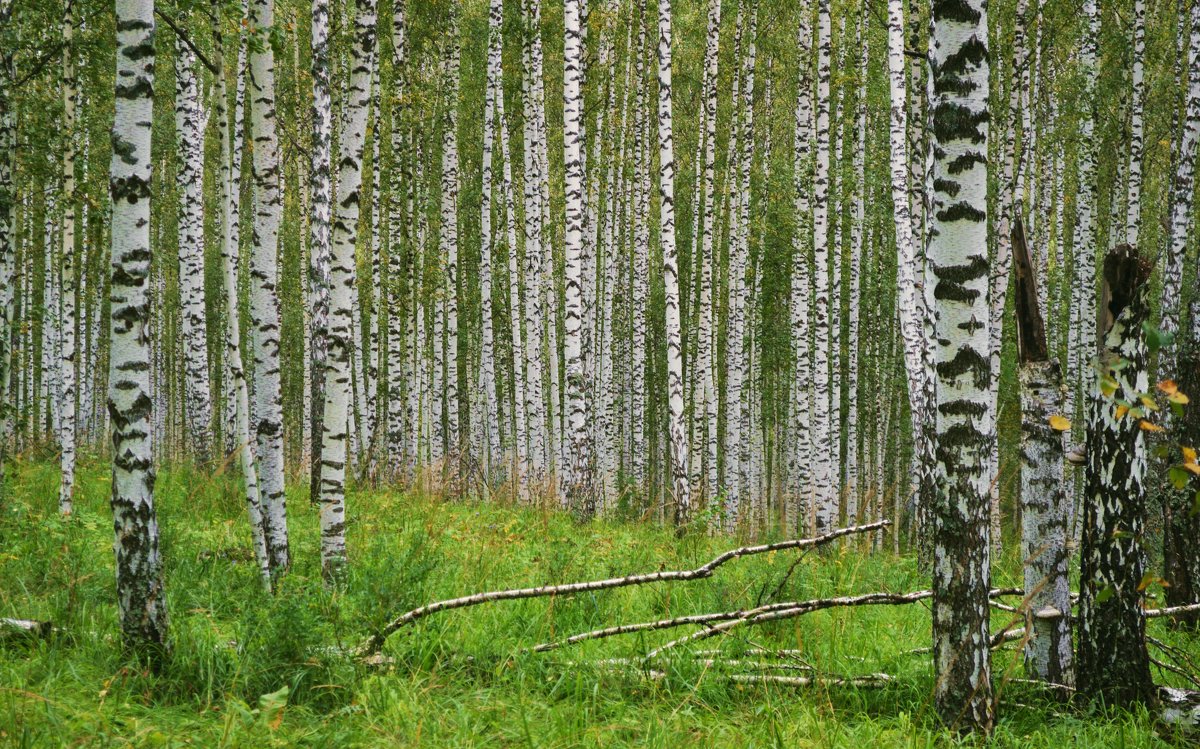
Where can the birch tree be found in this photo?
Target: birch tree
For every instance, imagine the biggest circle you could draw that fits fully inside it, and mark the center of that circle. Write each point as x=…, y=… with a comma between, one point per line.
x=141, y=600
x=66, y=366
x=337, y=403
x=580, y=486
x=398, y=374
x=493, y=90
x=1181, y=194
x=264, y=297
x=449, y=236
x=958, y=258
x=801, y=456
x=190, y=182
x=535, y=412
x=8, y=226
x=666, y=192
x=228, y=213
x=824, y=488
x=321, y=209
x=1113, y=664
x=1044, y=509
x=705, y=364
x=1133, y=208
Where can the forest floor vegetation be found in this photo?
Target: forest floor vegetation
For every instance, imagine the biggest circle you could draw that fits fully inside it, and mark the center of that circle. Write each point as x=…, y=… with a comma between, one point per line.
x=248, y=669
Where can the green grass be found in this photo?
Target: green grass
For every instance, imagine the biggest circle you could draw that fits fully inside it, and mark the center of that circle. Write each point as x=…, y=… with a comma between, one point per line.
x=459, y=678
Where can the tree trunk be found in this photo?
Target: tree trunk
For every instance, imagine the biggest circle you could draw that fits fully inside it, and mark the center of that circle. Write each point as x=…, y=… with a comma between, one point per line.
x=958, y=257
x=320, y=168
x=190, y=180
x=242, y=439
x=8, y=255
x=1133, y=215
x=535, y=406
x=580, y=488
x=1113, y=663
x=825, y=494
x=493, y=89
x=1182, y=189
x=1044, y=508
x=66, y=365
x=334, y=458
x=141, y=600
x=674, y=329
x=801, y=455
x=400, y=242
x=448, y=239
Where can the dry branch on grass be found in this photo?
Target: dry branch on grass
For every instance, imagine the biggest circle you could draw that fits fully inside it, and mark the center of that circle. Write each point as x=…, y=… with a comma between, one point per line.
x=24, y=628
x=636, y=667
x=777, y=611
x=375, y=642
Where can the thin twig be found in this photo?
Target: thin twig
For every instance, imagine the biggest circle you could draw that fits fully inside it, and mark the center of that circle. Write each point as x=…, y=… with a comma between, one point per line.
x=376, y=641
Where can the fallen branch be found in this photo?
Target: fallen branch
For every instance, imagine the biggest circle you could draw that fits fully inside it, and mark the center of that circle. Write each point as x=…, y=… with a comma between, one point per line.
x=376, y=641
x=794, y=608
x=788, y=611
x=628, y=666
x=19, y=628
x=1172, y=611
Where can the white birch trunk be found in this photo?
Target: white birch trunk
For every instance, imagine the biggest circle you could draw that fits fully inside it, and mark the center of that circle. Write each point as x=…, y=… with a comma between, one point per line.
x=66, y=364
x=243, y=441
x=449, y=238
x=400, y=374
x=190, y=180
x=1182, y=196
x=674, y=327
x=825, y=494
x=334, y=458
x=580, y=492
x=1133, y=215
x=958, y=258
x=264, y=298
x=801, y=455
x=141, y=601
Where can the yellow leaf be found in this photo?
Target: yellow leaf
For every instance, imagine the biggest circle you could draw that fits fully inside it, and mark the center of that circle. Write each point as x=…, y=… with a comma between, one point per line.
x=1121, y=411
x=1149, y=403
x=1189, y=454
x=1060, y=423
x=1168, y=386
x=1192, y=468
x=1179, y=398
x=1149, y=426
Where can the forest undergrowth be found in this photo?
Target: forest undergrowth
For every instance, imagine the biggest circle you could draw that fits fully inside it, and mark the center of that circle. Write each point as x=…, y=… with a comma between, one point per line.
x=252, y=670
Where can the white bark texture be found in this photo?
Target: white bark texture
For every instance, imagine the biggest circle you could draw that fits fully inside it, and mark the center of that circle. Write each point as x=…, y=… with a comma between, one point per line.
x=190, y=180
x=580, y=486
x=677, y=426
x=242, y=439
x=264, y=297
x=334, y=458
x=958, y=258
x=1182, y=196
x=66, y=364
x=141, y=600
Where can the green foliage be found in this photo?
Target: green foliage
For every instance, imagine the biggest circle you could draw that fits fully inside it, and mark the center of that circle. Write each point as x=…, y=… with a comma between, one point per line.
x=252, y=670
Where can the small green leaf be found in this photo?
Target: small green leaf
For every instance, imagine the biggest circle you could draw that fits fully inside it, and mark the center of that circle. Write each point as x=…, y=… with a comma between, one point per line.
x=1156, y=338
x=1105, y=594
x=1178, y=477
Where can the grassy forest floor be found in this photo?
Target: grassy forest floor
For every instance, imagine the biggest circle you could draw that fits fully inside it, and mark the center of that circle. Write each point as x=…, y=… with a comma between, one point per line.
x=460, y=678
